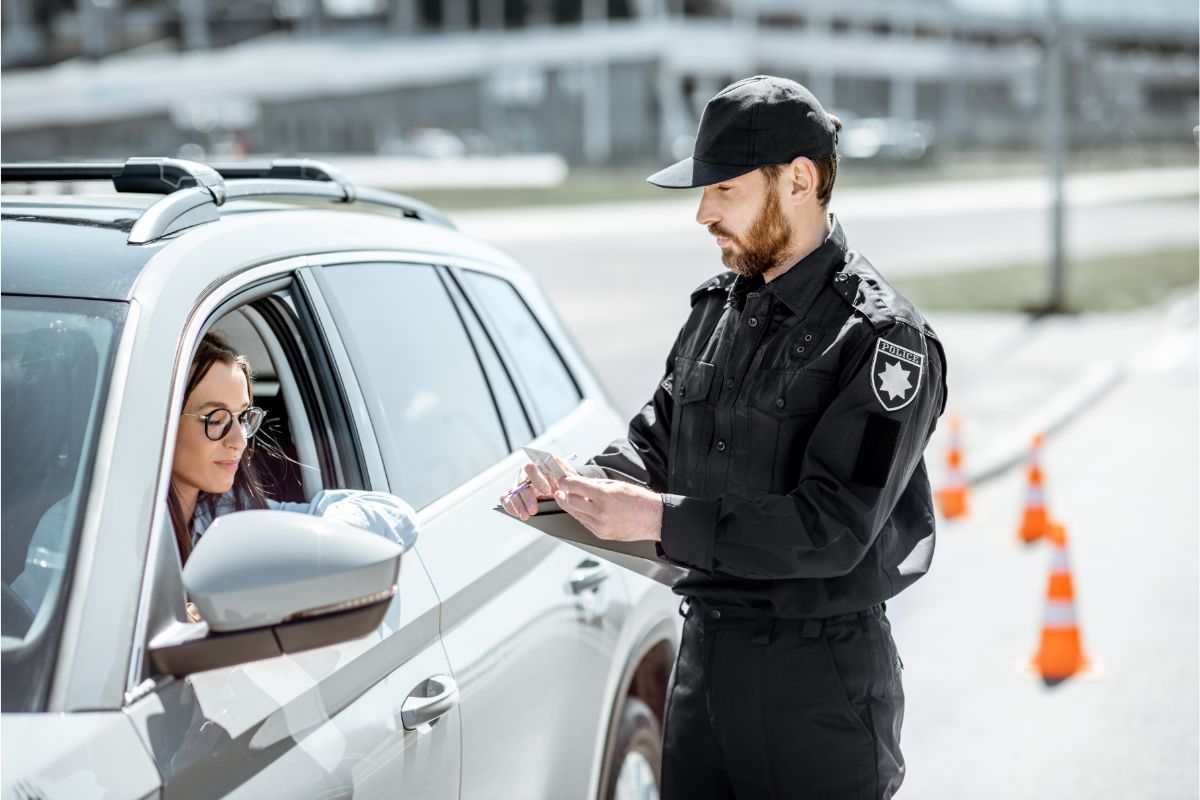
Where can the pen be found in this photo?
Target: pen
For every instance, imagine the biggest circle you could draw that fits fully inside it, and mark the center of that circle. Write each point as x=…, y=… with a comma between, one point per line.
x=570, y=460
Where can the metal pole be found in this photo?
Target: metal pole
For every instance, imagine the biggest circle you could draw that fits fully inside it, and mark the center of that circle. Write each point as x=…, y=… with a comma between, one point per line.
x=1056, y=151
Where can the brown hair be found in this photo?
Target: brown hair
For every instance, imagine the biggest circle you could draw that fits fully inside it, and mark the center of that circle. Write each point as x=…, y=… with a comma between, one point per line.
x=826, y=176
x=247, y=490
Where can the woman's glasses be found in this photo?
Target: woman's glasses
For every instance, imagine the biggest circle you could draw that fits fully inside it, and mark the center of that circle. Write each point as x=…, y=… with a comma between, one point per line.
x=219, y=421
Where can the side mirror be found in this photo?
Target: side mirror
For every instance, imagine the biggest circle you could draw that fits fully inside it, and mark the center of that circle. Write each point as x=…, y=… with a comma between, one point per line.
x=273, y=582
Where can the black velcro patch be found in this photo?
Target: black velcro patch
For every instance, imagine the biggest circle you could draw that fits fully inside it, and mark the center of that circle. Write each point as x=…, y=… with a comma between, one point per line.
x=876, y=450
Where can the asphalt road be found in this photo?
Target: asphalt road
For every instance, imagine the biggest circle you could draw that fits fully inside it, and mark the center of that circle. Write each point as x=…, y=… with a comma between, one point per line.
x=1122, y=477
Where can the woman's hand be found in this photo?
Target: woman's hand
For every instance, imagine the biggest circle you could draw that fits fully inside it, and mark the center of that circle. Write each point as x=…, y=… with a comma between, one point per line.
x=193, y=613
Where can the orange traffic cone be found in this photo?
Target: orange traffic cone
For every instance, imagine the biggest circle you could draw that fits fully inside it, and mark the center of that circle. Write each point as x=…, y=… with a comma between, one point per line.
x=1035, y=522
x=1060, y=652
x=953, y=496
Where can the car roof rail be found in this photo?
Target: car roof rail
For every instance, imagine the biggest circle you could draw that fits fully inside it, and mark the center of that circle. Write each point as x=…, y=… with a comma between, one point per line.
x=262, y=178
x=150, y=175
x=195, y=190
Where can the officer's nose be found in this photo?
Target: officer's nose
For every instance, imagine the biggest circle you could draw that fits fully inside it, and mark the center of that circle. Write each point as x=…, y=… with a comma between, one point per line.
x=706, y=214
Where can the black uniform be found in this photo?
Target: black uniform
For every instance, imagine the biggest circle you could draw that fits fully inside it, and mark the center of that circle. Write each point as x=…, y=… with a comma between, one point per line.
x=786, y=438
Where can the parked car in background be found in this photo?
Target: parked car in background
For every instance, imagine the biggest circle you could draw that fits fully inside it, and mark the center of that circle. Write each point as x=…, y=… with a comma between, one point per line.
x=884, y=139
x=391, y=353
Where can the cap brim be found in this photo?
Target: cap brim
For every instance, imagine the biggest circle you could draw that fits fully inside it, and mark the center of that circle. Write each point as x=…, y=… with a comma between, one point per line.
x=691, y=173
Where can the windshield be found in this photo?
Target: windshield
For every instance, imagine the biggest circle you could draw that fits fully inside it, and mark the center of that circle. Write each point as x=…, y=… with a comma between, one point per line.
x=56, y=355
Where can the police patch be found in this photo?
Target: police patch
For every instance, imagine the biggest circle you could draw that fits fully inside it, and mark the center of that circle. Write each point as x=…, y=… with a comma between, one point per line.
x=895, y=374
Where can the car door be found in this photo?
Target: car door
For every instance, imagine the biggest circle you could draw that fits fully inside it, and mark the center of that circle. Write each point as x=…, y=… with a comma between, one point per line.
x=530, y=625
x=326, y=722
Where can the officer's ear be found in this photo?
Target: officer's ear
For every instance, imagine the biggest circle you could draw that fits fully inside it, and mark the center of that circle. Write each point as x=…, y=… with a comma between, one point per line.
x=804, y=176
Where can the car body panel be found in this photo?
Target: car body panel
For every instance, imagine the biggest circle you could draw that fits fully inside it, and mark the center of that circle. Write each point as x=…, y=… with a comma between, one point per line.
x=320, y=723
x=74, y=755
x=481, y=598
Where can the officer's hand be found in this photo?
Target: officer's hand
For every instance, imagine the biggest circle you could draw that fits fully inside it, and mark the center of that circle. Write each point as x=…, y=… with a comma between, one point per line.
x=614, y=510
x=532, y=485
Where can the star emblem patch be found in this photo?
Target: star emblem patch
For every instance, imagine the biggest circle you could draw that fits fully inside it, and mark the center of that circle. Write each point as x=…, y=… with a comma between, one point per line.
x=895, y=374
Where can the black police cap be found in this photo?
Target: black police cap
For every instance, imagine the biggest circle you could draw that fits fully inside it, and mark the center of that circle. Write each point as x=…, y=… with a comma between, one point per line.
x=749, y=124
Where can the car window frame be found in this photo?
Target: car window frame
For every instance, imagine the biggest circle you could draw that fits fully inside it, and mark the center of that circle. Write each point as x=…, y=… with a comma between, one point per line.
x=524, y=392
x=402, y=259
x=162, y=576
x=465, y=309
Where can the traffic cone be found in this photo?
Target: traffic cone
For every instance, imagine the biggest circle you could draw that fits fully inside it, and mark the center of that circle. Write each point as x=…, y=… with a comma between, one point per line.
x=1060, y=652
x=1035, y=522
x=952, y=498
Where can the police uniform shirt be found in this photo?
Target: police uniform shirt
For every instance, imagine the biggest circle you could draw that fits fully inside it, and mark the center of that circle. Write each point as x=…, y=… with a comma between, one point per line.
x=786, y=438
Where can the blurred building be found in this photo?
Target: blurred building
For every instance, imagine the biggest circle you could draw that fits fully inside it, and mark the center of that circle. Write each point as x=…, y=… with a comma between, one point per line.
x=599, y=81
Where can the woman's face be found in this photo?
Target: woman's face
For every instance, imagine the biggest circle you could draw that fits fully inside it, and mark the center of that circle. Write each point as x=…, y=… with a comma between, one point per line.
x=201, y=463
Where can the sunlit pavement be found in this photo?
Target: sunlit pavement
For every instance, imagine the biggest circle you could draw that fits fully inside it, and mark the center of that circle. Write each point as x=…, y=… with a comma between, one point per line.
x=1122, y=477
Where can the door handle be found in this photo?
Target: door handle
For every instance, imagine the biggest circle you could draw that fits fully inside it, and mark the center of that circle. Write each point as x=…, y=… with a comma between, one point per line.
x=431, y=699
x=588, y=575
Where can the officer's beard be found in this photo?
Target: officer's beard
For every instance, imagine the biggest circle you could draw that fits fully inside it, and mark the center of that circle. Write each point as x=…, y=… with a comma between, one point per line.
x=764, y=245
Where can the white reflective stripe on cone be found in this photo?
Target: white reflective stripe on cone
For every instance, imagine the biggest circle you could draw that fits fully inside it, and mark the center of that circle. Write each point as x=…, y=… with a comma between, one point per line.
x=1059, y=561
x=1035, y=496
x=1059, y=614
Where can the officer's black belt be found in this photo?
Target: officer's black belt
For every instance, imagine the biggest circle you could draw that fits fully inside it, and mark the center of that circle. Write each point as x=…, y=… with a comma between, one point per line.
x=767, y=624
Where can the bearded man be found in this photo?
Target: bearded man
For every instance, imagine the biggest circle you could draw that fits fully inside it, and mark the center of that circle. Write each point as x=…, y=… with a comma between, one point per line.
x=780, y=461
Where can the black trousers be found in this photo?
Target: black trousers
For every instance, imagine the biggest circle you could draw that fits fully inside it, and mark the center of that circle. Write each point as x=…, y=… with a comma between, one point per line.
x=767, y=708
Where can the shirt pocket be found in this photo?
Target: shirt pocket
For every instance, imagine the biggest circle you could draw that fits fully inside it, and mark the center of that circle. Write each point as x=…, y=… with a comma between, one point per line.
x=784, y=393
x=693, y=379
x=785, y=406
x=693, y=423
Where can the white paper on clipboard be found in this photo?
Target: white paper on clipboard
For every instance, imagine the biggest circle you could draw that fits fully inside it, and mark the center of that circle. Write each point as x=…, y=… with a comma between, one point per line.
x=640, y=557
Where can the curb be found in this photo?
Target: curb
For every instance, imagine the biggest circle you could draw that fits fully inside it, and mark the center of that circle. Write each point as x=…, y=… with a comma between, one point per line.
x=1179, y=312
x=1064, y=407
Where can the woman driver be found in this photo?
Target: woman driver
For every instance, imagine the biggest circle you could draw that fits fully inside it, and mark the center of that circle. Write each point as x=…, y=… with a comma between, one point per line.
x=213, y=472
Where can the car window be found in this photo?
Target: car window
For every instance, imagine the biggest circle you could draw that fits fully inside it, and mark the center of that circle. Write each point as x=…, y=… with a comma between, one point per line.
x=516, y=423
x=56, y=355
x=430, y=404
x=538, y=365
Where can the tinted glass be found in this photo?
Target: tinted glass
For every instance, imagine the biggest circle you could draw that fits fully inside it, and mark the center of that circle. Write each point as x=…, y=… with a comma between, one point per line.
x=430, y=405
x=538, y=366
x=516, y=424
x=56, y=356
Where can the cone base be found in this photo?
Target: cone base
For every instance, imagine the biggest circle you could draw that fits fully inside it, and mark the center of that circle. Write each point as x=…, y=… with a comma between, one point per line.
x=953, y=503
x=1059, y=656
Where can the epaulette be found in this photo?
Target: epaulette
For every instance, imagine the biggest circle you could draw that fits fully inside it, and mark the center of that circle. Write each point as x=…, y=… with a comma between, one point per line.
x=866, y=291
x=716, y=283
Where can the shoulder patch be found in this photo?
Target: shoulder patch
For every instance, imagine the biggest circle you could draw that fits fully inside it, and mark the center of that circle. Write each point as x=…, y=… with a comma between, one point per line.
x=716, y=283
x=895, y=374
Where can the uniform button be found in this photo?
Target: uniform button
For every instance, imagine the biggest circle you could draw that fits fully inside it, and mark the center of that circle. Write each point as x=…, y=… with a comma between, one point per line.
x=683, y=391
x=799, y=348
x=729, y=383
x=715, y=613
x=779, y=402
x=721, y=445
x=808, y=337
x=841, y=276
x=753, y=322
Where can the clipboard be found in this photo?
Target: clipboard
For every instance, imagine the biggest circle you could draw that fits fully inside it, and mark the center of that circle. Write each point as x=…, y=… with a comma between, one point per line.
x=640, y=557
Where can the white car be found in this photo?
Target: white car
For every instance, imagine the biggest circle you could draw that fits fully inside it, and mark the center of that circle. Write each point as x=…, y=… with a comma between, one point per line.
x=391, y=353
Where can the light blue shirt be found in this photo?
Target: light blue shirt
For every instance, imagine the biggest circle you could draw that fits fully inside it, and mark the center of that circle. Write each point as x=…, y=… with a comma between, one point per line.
x=378, y=512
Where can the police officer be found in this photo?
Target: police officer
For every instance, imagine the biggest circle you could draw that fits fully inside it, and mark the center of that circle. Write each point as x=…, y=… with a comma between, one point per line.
x=780, y=459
